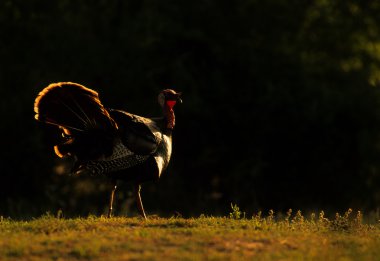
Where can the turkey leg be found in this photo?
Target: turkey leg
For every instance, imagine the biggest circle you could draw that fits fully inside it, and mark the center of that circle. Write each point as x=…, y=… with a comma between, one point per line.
x=139, y=202
x=111, y=199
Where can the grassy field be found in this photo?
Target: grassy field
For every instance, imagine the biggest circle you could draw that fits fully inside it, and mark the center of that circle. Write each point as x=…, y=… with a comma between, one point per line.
x=236, y=237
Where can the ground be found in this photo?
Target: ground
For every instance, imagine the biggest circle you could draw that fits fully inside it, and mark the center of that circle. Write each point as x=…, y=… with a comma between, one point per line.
x=290, y=237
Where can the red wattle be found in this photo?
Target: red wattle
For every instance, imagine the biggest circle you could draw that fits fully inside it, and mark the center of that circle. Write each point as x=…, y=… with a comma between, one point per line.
x=170, y=104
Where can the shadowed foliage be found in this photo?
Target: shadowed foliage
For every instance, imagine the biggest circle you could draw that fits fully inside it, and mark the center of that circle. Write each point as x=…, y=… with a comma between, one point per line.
x=281, y=100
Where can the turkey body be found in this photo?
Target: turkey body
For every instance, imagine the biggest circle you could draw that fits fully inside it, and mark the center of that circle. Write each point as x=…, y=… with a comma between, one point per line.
x=140, y=150
x=108, y=142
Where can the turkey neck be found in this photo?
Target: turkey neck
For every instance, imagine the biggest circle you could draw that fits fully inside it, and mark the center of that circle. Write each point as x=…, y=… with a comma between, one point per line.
x=169, y=117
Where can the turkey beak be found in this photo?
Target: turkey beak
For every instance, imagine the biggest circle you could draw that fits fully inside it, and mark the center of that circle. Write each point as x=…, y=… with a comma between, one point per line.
x=179, y=100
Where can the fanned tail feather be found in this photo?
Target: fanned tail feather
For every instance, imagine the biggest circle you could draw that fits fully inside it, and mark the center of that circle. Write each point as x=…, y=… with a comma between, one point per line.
x=72, y=106
x=78, y=111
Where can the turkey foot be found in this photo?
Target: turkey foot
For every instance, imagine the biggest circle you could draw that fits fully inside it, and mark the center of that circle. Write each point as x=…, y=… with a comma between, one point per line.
x=111, y=200
x=139, y=202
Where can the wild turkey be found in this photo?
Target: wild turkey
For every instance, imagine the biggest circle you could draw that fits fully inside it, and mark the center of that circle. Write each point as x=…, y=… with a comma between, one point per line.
x=114, y=143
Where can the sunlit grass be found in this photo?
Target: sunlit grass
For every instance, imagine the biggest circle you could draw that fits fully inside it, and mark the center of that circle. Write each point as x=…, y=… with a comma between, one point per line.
x=290, y=236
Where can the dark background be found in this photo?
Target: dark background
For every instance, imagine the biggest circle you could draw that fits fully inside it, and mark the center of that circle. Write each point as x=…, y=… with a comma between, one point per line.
x=281, y=101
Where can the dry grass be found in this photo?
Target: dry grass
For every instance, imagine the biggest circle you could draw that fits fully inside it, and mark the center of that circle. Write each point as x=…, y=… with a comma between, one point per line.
x=291, y=237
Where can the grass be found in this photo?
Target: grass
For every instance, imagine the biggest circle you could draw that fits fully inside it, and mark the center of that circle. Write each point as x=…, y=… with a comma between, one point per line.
x=237, y=237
